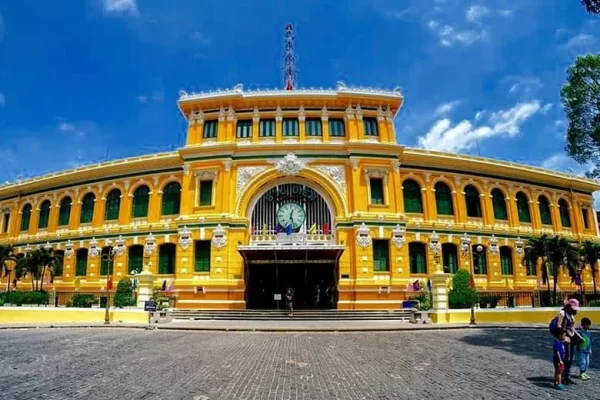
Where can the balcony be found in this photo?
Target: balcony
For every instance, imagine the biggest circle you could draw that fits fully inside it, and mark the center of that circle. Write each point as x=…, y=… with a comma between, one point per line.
x=294, y=239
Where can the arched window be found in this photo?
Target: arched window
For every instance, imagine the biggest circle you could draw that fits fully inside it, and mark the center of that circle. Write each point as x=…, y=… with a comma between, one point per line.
x=473, y=202
x=523, y=207
x=166, y=258
x=171, y=199
x=64, y=214
x=532, y=264
x=44, y=215
x=141, y=202
x=545, y=214
x=87, y=208
x=412, y=197
x=113, y=205
x=26, y=217
x=565, y=218
x=58, y=268
x=136, y=259
x=418, y=258
x=479, y=259
x=506, y=260
x=104, y=267
x=443, y=199
x=450, y=258
x=81, y=262
x=499, y=204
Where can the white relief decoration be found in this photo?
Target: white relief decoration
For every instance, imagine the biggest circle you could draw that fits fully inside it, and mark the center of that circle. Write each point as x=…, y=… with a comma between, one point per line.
x=398, y=236
x=493, y=244
x=219, y=237
x=207, y=175
x=324, y=114
x=150, y=245
x=119, y=248
x=465, y=245
x=186, y=169
x=301, y=114
x=185, y=238
x=337, y=174
x=396, y=165
x=222, y=114
x=289, y=165
x=69, y=250
x=255, y=115
x=227, y=165
x=519, y=246
x=94, y=250
x=278, y=114
x=230, y=114
x=363, y=236
x=380, y=115
x=244, y=175
x=434, y=243
x=359, y=114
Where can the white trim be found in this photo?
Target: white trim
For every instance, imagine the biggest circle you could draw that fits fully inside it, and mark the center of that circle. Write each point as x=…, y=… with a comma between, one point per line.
x=211, y=301
x=294, y=247
x=399, y=302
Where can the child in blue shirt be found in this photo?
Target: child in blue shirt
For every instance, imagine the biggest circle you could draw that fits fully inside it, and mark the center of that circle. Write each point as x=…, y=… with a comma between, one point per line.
x=585, y=348
x=558, y=350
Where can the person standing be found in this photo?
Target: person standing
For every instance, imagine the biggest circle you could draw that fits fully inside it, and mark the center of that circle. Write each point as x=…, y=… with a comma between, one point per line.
x=289, y=299
x=565, y=322
x=585, y=348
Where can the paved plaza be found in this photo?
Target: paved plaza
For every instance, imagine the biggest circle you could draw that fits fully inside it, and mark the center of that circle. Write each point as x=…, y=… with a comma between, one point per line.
x=119, y=363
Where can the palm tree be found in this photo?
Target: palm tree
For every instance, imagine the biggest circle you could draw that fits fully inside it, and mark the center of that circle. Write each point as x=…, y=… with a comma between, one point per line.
x=37, y=263
x=535, y=249
x=6, y=257
x=562, y=253
x=591, y=253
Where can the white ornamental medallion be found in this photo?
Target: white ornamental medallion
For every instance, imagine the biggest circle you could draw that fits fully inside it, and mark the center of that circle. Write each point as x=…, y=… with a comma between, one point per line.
x=150, y=246
x=185, y=238
x=244, y=176
x=219, y=237
x=289, y=165
x=94, y=250
x=69, y=250
x=363, y=236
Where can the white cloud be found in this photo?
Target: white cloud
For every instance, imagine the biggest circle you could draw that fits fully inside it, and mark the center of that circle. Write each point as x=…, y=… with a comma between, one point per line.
x=142, y=99
x=581, y=43
x=463, y=136
x=476, y=12
x=479, y=115
x=505, y=13
x=445, y=108
x=2, y=100
x=118, y=6
x=449, y=36
x=522, y=84
x=65, y=127
x=544, y=110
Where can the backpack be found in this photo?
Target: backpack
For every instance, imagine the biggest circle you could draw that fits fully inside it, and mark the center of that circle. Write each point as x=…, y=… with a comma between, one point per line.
x=553, y=326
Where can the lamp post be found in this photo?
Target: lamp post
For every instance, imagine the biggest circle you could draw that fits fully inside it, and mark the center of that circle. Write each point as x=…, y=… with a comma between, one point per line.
x=479, y=254
x=109, y=258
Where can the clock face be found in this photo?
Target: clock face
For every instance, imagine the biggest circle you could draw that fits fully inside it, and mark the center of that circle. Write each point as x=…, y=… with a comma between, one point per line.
x=291, y=214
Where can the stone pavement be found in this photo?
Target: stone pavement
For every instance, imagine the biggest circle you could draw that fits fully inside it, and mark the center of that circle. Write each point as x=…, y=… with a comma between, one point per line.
x=137, y=364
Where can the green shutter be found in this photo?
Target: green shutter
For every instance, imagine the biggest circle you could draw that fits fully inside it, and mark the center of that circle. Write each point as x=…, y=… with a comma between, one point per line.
x=499, y=204
x=44, y=215
x=381, y=255
x=210, y=129
x=58, y=267
x=290, y=127
x=450, y=258
x=585, y=216
x=370, y=125
x=313, y=127
x=565, y=218
x=5, y=222
x=443, y=199
x=87, y=209
x=81, y=263
x=64, y=213
x=506, y=263
x=337, y=127
x=171, y=199
x=417, y=255
x=376, y=191
x=523, y=208
x=104, y=262
x=202, y=256
x=136, y=259
x=545, y=215
x=141, y=201
x=412, y=197
x=166, y=259
x=113, y=206
x=206, y=189
x=244, y=129
x=532, y=267
x=26, y=217
x=266, y=128
x=473, y=202
x=479, y=260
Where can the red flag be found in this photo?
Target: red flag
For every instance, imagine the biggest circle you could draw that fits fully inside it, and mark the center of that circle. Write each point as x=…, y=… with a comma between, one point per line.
x=472, y=282
x=326, y=229
x=109, y=283
x=251, y=230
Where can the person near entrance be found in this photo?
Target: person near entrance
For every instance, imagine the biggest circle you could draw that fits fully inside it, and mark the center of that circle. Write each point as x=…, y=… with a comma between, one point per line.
x=289, y=299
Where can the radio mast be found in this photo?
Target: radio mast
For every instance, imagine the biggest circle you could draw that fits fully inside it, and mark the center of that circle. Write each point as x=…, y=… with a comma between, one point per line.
x=289, y=59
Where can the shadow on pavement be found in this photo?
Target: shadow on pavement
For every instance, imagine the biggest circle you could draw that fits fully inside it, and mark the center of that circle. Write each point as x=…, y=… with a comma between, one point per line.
x=536, y=344
x=541, y=381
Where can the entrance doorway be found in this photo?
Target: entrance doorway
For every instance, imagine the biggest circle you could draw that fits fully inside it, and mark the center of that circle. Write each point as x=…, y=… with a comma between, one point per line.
x=314, y=285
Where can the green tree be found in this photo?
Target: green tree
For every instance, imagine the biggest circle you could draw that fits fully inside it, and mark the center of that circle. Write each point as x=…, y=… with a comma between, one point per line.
x=591, y=253
x=461, y=295
x=535, y=249
x=8, y=262
x=591, y=6
x=581, y=100
x=124, y=293
x=38, y=263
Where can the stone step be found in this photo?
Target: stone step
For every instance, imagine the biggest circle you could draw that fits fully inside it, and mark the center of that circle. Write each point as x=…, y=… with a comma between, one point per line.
x=282, y=315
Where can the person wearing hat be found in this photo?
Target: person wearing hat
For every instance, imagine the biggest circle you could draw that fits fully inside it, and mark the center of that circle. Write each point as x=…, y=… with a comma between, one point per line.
x=566, y=324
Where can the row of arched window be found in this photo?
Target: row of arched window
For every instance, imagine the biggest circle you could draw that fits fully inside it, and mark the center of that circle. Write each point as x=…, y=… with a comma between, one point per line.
x=413, y=203
x=450, y=257
x=171, y=200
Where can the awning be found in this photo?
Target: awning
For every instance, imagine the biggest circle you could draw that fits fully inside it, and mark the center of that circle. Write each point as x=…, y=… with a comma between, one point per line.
x=324, y=254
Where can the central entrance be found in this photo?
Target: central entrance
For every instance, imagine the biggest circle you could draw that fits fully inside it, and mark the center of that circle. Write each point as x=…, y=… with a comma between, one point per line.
x=311, y=273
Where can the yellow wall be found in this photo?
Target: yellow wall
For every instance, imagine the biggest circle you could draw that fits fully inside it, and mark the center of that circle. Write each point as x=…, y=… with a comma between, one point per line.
x=509, y=315
x=14, y=315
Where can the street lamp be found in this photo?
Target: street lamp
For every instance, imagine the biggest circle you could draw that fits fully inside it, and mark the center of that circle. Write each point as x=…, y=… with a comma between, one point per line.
x=479, y=254
x=109, y=257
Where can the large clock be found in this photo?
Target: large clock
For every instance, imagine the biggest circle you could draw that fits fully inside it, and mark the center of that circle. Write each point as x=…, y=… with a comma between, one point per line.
x=291, y=214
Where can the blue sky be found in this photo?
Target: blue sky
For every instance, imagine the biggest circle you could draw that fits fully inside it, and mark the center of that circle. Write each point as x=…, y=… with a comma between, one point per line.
x=83, y=80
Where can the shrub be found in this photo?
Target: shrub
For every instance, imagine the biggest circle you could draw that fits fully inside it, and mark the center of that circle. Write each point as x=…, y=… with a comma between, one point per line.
x=83, y=300
x=488, y=301
x=594, y=303
x=28, y=298
x=124, y=294
x=461, y=295
x=424, y=299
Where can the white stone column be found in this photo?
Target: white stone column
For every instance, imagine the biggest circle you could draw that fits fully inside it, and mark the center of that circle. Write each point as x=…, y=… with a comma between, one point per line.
x=145, y=286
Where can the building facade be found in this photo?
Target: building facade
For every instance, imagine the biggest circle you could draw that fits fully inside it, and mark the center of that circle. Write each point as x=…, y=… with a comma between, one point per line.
x=305, y=189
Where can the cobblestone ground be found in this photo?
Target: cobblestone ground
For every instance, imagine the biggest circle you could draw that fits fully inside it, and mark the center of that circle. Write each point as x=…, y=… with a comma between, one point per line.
x=136, y=364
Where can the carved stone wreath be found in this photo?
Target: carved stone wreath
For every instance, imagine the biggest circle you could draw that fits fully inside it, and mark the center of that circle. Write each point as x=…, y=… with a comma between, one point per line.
x=398, y=236
x=185, y=238
x=363, y=236
x=150, y=246
x=94, y=250
x=289, y=165
x=219, y=237
x=69, y=250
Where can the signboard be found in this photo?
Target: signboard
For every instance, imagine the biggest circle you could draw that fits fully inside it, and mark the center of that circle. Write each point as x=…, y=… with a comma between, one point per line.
x=150, y=306
x=277, y=297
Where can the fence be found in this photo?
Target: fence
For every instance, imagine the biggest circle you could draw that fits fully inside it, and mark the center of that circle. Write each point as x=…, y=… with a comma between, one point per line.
x=535, y=299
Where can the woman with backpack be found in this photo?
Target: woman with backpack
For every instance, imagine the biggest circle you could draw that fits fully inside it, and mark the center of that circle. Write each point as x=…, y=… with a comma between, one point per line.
x=564, y=322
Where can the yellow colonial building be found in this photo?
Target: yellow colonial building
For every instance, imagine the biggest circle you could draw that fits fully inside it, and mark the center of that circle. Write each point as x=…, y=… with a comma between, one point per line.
x=305, y=189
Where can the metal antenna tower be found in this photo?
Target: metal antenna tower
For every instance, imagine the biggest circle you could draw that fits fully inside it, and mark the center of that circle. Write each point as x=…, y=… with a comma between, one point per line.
x=289, y=59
